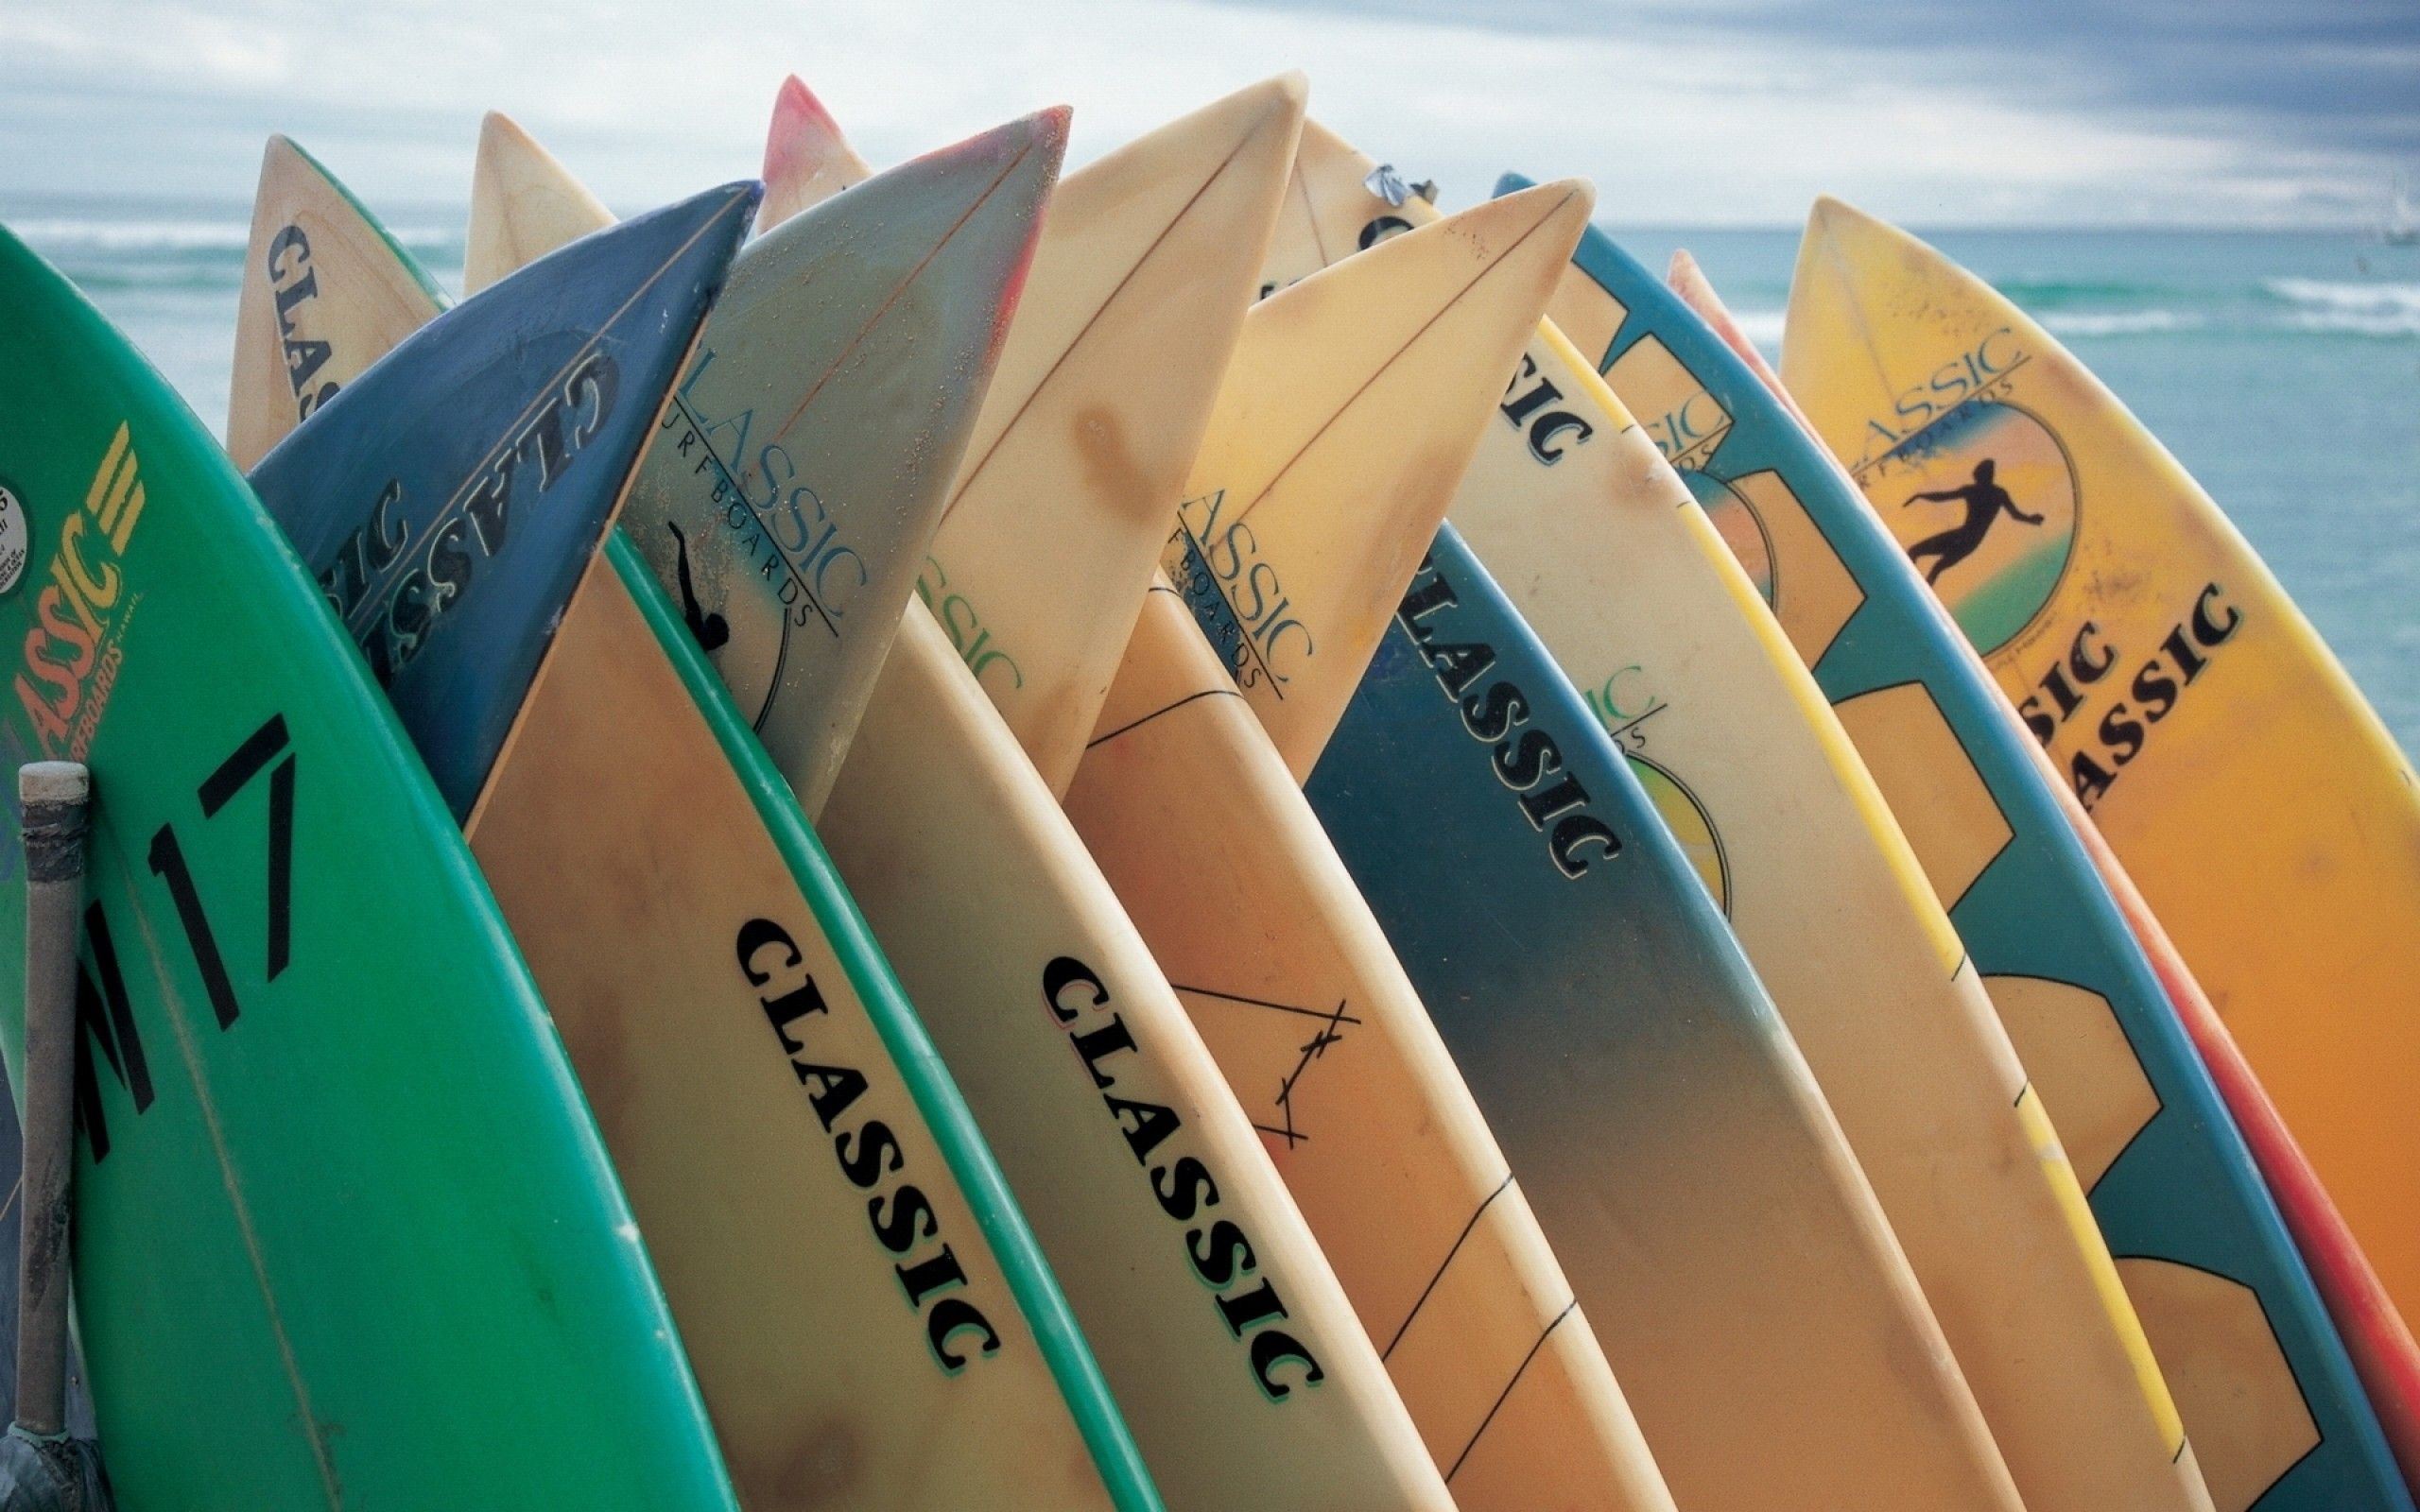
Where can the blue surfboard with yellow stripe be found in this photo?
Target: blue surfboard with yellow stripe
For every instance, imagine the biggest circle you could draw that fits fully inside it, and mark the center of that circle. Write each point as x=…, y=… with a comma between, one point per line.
x=2278, y=1419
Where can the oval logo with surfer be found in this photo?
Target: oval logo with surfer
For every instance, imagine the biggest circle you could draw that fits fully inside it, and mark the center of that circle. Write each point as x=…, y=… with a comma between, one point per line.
x=1983, y=502
x=1741, y=528
x=1690, y=825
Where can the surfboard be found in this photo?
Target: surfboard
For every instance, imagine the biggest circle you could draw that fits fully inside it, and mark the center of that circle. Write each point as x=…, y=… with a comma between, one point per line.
x=701, y=960
x=437, y=1288
x=2319, y=902
x=1134, y=300
x=1401, y=1161
x=1263, y=528
x=1605, y=554
x=1229, y=1345
x=806, y=159
x=2209, y=1275
x=1714, y=1225
x=789, y=545
x=310, y=234
x=1217, y=858
x=523, y=204
x=2384, y=1354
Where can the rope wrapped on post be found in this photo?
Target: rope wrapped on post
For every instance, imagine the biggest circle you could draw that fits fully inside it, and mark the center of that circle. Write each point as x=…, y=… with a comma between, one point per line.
x=41, y=1468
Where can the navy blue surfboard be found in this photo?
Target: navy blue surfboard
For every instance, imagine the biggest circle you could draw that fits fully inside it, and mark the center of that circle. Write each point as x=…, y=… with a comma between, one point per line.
x=450, y=564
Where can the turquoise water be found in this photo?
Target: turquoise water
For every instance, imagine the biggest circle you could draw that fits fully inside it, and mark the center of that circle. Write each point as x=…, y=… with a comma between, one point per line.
x=2282, y=368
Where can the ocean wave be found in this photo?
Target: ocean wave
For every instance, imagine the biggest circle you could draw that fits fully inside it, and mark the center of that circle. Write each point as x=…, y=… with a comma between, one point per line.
x=1763, y=327
x=2120, y=323
x=180, y=236
x=2047, y=292
x=2353, y=309
x=2402, y=299
x=135, y=235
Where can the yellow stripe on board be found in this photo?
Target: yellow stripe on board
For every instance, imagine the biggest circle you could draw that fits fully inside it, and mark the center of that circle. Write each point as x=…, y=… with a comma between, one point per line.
x=2104, y=1271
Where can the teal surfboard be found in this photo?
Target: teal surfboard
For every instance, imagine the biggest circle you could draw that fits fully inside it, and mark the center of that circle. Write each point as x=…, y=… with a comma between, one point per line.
x=1654, y=1107
x=2196, y=1233
x=346, y=1234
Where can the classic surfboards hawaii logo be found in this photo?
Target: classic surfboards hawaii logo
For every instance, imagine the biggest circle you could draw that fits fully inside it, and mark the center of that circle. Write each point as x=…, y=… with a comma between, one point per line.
x=751, y=547
x=1980, y=494
x=72, y=652
x=1213, y=560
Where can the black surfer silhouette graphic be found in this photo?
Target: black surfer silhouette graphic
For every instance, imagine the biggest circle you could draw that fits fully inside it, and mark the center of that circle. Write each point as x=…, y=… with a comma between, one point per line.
x=711, y=631
x=1985, y=501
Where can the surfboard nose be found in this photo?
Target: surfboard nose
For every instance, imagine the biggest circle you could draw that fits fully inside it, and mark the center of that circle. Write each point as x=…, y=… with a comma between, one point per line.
x=449, y=498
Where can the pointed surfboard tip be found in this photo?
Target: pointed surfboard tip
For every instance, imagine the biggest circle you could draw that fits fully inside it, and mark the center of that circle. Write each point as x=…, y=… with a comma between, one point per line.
x=1840, y=223
x=1559, y=210
x=524, y=204
x=797, y=112
x=807, y=158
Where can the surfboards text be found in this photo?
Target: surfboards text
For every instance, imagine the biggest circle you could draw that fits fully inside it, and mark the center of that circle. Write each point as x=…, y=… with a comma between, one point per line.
x=1215, y=567
x=1973, y=374
x=968, y=635
x=294, y=282
x=779, y=523
x=392, y=581
x=2120, y=735
x=1555, y=801
x=901, y=1218
x=1547, y=430
x=1221, y=1252
x=74, y=649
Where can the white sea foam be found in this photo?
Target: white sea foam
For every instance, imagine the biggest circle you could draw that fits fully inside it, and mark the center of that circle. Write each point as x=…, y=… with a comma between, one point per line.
x=2358, y=309
x=134, y=235
x=172, y=236
x=2120, y=323
x=1763, y=327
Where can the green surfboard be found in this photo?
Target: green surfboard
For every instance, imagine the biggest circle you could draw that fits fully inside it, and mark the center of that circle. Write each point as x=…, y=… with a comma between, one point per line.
x=346, y=1234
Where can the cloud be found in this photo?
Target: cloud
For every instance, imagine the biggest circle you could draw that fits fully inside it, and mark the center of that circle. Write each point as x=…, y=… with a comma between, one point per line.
x=1723, y=112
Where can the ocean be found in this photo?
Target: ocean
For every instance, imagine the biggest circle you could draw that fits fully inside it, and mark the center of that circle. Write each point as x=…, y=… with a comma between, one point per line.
x=2282, y=368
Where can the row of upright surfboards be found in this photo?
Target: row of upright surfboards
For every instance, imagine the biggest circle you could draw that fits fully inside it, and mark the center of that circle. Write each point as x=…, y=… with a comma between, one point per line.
x=1191, y=837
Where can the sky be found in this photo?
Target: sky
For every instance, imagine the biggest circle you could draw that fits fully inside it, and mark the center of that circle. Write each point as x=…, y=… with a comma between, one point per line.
x=1683, y=112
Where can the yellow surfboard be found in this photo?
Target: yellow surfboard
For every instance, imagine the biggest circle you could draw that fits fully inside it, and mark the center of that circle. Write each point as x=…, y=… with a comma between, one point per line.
x=1603, y=551
x=1270, y=948
x=684, y=933
x=1232, y=1349
x=326, y=291
x=2169, y=675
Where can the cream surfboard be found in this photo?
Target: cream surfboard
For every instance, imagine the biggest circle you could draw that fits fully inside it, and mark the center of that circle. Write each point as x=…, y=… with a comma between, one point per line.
x=1604, y=553
x=696, y=950
x=2254, y=796
x=1232, y=1349
x=2241, y=1342
x=1390, y=1161
x=2375, y=1333
x=311, y=238
x=1263, y=530
x=1098, y=405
